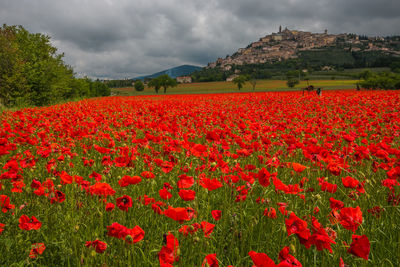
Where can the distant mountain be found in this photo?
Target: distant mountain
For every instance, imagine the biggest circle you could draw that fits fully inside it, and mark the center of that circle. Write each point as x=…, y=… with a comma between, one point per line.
x=182, y=70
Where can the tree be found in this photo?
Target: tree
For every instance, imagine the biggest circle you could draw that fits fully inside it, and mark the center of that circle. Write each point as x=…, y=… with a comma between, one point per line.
x=292, y=82
x=383, y=80
x=155, y=83
x=253, y=82
x=240, y=80
x=13, y=83
x=166, y=81
x=365, y=75
x=33, y=73
x=139, y=86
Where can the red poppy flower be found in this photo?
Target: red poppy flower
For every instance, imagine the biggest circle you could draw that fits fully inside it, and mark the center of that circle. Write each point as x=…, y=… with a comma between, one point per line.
x=96, y=176
x=264, y=177
x=350, y=182
x=210, y=261
x=135, y=235
x=261, y=259
x=101, y=189
x=295, y=225
x=5, y=203
x=216, y=214
x=179, y=214
x=110, y=206
x=210, y=184
x=117, y=230
x=148, y=175
x=130, y=236
x=288, y=260
x=2, y=227
x=164, y=193
x=98, y=245
x=187, y=195
x=129, y=180
x=360, y=246
x=169, y=253
x=320, y=238
x=351, y=218
x=297, y=167
x=66, y=178
x=26, y=223
x=124, y=202
x=270, y=213
x=207, y=227
x=335, y=204
x=185, y=181
x=58, y=197
x=37, y=249
x=326, y=186
x=341, y=263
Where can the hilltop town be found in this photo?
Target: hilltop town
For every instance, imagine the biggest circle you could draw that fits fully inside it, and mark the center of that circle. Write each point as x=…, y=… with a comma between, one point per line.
x=287, y=44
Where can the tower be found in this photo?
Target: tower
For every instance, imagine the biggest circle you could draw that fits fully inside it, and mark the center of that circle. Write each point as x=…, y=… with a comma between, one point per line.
x=280, y=28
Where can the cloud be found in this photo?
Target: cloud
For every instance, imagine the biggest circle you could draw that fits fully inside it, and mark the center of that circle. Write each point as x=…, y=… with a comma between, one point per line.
x=122, y=38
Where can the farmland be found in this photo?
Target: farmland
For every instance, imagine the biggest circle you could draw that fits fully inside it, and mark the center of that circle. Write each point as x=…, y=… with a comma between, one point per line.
x=265, y=179
x=229, y=87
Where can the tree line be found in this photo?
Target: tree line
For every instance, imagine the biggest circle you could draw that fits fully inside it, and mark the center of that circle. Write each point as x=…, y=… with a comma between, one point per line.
x=33, y=73
x=381, y=80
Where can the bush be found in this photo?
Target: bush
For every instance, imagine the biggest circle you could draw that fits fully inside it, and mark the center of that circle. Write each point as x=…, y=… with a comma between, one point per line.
x=292, y=82
x=139, y=86
x=383, y=80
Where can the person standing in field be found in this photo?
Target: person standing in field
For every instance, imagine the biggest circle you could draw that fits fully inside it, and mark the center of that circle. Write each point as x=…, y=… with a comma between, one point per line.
x=319, y=91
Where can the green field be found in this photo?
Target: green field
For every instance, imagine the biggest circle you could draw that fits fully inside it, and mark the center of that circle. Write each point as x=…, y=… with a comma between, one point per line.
x=228, y=87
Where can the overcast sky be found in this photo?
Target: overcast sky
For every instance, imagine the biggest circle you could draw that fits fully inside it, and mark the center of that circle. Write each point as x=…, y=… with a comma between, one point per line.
x=124, y=39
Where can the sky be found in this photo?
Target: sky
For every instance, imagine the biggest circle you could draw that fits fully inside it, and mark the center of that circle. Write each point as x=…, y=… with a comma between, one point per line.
x=119, y=39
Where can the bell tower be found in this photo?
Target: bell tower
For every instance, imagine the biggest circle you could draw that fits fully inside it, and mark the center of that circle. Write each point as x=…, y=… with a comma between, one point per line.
x=280, y=28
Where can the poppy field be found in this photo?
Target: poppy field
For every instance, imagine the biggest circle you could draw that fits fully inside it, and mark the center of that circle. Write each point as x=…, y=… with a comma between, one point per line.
x=250, y=179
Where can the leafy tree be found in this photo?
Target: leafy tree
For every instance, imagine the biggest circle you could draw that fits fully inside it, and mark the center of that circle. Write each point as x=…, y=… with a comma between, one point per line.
x=13, y=82
x=292, y=82
x=33, y=73
x=383, y=80
x=240, y=81
x=139, y=86
x=99, y=88
x=155, y=83
x=165, y=81
x=365, y=75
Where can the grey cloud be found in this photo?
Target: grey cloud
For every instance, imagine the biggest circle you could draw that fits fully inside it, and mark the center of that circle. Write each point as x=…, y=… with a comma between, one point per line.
x=122, y=38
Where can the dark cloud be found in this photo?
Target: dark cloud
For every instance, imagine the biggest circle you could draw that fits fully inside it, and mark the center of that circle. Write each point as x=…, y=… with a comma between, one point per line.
x=122, y=38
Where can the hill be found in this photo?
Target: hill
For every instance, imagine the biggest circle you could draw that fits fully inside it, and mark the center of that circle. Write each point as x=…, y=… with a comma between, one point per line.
x=293, y=44
x=275, y=54
x=182, y=70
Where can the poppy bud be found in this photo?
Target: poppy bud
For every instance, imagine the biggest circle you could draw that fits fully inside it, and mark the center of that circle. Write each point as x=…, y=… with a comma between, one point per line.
x=196, y=239
x=129, y=239
x=317, y=197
